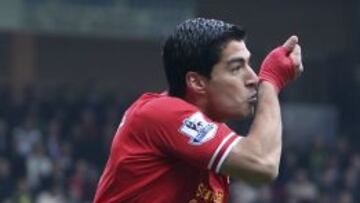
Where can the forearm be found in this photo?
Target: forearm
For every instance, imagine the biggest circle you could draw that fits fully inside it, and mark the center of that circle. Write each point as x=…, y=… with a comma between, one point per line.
x=265, y=134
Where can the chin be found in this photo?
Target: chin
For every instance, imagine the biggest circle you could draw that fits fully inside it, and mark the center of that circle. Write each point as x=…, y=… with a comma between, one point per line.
x=248, y=112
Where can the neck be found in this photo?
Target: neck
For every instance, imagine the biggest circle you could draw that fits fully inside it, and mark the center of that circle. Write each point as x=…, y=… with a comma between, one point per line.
x=204, y=107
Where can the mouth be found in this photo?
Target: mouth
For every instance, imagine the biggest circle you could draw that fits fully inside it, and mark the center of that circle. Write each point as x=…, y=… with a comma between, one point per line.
x=253, y=99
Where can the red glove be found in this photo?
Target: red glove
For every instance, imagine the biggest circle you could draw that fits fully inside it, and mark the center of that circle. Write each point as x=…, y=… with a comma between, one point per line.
x=277, y=68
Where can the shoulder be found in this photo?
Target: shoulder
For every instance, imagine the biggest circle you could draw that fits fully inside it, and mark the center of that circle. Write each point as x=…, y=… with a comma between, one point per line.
x=162, y=108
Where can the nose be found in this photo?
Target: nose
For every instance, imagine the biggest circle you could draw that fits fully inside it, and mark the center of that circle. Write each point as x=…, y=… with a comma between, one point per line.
x=252, y=79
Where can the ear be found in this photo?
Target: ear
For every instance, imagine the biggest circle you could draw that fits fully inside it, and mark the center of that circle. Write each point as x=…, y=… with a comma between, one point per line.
x=196, y=82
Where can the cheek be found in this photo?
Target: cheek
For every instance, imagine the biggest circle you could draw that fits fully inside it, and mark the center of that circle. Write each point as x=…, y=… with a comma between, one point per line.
x=227, y=92
x=229, y=99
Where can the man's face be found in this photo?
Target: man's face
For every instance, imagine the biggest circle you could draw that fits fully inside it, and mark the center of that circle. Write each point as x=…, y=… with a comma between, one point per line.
x=232, y=89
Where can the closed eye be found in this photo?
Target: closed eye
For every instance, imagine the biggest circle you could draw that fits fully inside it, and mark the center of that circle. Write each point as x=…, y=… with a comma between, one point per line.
x=236, y=67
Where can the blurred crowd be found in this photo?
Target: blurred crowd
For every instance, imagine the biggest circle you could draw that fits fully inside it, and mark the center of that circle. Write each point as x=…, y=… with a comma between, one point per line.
x=53, y=148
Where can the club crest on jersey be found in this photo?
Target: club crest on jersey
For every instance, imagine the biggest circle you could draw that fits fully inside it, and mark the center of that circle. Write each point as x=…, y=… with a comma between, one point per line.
x=198, y=129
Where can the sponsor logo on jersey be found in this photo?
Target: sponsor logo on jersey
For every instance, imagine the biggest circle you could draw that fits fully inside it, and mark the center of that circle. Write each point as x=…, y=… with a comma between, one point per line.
x=205, y=194
x=198, y=129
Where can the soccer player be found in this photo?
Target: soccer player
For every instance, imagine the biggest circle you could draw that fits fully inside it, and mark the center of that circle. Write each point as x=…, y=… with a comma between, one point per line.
x=174, y=147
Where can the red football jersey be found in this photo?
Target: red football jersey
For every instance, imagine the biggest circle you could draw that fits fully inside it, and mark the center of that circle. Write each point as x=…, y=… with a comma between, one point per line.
x=166, y=151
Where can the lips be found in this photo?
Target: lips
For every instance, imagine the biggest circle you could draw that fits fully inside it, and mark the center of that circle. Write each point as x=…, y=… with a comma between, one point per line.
x=253, y=99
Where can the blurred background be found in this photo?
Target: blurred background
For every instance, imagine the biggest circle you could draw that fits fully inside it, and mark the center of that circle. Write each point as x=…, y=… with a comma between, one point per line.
x=69, y=69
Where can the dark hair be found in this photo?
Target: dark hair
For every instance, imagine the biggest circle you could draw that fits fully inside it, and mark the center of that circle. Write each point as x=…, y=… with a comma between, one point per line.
x=195, y=45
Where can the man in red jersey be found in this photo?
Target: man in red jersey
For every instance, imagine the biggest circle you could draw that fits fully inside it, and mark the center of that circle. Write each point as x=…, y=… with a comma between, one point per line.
x=174, y=147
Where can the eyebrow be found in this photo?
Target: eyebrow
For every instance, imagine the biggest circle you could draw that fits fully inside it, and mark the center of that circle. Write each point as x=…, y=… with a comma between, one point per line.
x=237, y=60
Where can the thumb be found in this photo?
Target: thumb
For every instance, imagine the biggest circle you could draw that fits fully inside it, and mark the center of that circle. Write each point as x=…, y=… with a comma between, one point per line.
x=290, y=43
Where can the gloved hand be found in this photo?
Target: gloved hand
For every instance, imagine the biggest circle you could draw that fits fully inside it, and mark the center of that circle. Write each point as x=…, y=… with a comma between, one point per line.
x=282, y=65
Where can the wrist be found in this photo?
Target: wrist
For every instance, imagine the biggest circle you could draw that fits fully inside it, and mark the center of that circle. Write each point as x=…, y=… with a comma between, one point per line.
x=268, y=86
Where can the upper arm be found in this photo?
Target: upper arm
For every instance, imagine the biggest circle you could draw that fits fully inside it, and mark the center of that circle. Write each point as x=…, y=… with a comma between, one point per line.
x=181, y=132
x=245, y=162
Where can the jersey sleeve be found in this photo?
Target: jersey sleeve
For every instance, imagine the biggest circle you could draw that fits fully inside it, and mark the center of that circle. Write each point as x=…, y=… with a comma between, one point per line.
x=183, y=132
